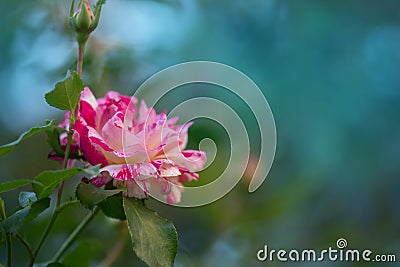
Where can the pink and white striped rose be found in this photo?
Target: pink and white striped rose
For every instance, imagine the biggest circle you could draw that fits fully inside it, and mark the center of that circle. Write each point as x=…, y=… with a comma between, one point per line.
x=136, y=148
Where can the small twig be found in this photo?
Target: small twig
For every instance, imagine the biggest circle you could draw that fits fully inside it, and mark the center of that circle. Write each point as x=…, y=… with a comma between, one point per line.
x=53, y=218
x=74, y=234
x=26, y=245
x=9, y=250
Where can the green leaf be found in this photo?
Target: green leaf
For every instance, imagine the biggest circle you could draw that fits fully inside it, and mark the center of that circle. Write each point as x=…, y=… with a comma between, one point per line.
x=37, y=208
x=112, y=207
x=45, y=182
x=90, y=195
x=154, y=239
x=11, y=185
x=66, y=94
x=5, y=149
x=25, y=215
x=26, y=199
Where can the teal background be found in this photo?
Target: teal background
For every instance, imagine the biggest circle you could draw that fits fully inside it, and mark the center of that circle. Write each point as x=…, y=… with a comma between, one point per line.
x=329, y=70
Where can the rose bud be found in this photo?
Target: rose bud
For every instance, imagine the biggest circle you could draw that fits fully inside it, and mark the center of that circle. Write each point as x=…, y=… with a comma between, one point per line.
x=84, y=20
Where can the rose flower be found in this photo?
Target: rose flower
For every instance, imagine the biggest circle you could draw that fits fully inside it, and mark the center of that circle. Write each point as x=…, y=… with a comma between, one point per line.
x=137, y=149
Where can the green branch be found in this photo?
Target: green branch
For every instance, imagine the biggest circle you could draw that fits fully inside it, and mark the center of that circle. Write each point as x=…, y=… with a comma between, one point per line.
x=75, y=234
x=53, y=218
x=9, y=250
x=65, y=163
x=26, y=245
x=81, y=53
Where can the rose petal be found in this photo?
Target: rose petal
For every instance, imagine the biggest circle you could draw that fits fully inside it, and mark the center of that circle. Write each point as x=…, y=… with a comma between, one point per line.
x=175, y=195
x=112, y=103
x=136, y=189
x=168, y=170
x=112, y=131
x=101, y=180
x=91, y=151
x=188, y=176
x=87, y=107
x=193, y=160
x=168, y=189
x=147, y=116
x=125, y=172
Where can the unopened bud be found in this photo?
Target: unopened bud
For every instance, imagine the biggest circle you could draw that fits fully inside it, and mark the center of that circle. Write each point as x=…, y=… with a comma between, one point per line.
x=84, y=20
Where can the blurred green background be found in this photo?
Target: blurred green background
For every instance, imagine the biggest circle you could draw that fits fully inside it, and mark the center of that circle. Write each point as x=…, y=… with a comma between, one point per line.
x=330, y=71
